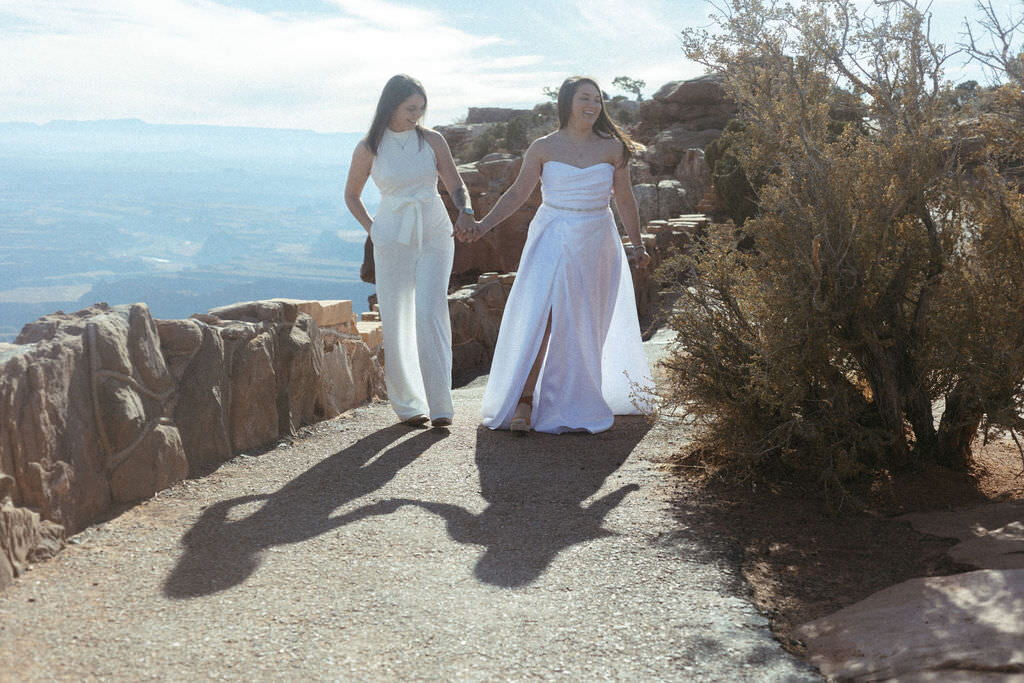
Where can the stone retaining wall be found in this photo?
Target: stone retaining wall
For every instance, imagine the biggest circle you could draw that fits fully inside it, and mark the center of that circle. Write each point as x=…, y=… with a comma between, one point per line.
x=107, y=406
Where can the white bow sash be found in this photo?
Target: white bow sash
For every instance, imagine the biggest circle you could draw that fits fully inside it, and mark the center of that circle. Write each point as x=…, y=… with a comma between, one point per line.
x=410, y=210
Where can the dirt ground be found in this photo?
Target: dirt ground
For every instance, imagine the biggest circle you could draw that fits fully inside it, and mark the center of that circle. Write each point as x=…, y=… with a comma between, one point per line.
x=804, y=562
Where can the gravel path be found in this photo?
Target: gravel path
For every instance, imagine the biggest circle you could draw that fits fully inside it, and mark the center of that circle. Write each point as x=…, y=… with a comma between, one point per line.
x=370, y=551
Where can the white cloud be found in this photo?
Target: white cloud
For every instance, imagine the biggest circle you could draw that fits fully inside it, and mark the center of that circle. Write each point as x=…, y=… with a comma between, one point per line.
x=197, y=61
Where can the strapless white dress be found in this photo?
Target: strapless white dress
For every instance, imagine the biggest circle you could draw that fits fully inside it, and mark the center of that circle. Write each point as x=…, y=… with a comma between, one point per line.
x=574, y=267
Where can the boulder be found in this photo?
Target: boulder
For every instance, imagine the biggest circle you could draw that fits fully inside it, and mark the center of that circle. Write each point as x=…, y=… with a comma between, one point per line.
x=693, y=174
x=24, y=539
x=948, y=627
x=278, y=311
x=646, y=201
x=195, y=353
x=991, y=536
x=672, y=199
x=494, y=114
x=340, y=389
x=252, y=404
x=82, y=399
x=367, y=371
x=500, y=170
x=695, y=104
x=475, y=312
x=500, y=249
x=670, y=146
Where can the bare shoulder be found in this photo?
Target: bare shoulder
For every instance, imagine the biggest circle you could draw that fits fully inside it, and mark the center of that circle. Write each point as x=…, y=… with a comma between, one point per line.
x=615, y=152
x=433, y=137
x=542, y=147
x=362, y=150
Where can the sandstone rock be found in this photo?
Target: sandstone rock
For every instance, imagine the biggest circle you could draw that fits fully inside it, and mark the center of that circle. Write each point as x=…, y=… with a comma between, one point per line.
x=672, y=199
x=6, y=489
x=945, y=626
x=79, y=399
x=253, y=391
x=646, y=201
x=25, y=539
x=155, y=463
x=493, y=114
x=258, y=311
x=694, y=175
x=669, y=146
x=640, y=171
x=476, y=318
x=180, y=341
x=107, y=406
x=333, y=313
x=470, y=356
x=702, y=90
x=476, y=182
x=696, y=104
x=367, y=372
x=340, y=386
x=195, y=353
x=302, y=391
x=500, y=249
x=372, y=334
x=500, y=170
x=991, y=536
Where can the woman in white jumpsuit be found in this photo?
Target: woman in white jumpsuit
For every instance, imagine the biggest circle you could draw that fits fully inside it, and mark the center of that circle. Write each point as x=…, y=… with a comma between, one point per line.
x=569, y=355
x=412, y=248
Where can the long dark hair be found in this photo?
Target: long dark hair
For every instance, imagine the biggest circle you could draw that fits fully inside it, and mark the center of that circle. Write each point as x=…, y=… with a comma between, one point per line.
x=396, y=90
x=604, y=126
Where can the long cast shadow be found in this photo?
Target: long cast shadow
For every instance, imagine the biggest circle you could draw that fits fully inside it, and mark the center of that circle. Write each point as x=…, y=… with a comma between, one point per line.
x=221, y=552
x=535, y=488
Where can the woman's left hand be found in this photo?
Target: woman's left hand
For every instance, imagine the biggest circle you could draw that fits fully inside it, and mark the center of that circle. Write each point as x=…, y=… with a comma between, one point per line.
x=639, y=256
x=466, y=228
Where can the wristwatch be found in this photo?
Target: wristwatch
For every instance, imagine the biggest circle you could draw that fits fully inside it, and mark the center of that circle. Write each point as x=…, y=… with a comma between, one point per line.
x=468, y=210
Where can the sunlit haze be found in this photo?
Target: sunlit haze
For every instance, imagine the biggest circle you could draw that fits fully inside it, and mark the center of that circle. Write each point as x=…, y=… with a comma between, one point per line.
x=320, y=64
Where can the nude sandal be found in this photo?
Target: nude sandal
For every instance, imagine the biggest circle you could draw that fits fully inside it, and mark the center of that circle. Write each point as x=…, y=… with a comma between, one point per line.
x=520, y=424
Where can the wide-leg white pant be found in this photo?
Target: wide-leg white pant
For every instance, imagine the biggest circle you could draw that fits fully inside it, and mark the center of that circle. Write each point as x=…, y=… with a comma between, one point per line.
x=412, y=292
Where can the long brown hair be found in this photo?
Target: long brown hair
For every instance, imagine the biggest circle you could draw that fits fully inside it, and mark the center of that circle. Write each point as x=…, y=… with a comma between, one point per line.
x=604, y=126
x=396, y=90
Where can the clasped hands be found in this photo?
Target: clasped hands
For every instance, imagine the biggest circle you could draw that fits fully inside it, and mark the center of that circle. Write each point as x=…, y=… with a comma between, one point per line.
x=467, y=229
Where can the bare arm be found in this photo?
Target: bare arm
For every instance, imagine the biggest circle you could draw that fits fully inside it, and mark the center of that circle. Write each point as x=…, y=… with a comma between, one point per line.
x=358, y=174
x=516, y=195
x=625, y=202
x=447, y=171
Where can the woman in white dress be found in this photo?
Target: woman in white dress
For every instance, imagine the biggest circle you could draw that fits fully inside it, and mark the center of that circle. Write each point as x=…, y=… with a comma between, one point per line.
x=569, y=355
x=412, y=248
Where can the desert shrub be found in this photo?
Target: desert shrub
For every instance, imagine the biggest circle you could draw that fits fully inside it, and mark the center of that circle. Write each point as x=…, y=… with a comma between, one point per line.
x=516, y=140
x=727, y=175
x=878, y=322
x=490, y=140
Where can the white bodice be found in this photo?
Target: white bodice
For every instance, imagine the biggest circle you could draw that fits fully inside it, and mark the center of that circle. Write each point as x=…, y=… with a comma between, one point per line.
x=404, y=165
x=569, y=187
x=405, y=172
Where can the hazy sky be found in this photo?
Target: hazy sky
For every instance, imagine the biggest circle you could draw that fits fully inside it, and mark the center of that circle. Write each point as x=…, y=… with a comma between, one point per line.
x=320, y=64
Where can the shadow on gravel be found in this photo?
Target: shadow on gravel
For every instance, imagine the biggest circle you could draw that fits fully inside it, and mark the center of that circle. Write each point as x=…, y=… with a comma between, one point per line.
x=224, y=547
x=535, y=488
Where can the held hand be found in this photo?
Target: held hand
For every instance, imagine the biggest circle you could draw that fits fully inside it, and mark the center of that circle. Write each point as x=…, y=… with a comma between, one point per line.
x=465, y=227
x=639, y=257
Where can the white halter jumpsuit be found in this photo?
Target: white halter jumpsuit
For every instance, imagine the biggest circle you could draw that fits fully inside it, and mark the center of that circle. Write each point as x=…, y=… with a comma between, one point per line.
x=413, y=251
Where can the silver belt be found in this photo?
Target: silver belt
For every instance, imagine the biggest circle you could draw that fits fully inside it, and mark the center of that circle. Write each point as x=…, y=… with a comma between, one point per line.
x=567, y=208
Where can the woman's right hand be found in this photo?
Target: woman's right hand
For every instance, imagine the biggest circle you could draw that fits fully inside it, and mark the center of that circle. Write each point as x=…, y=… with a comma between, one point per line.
x=467, y=229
